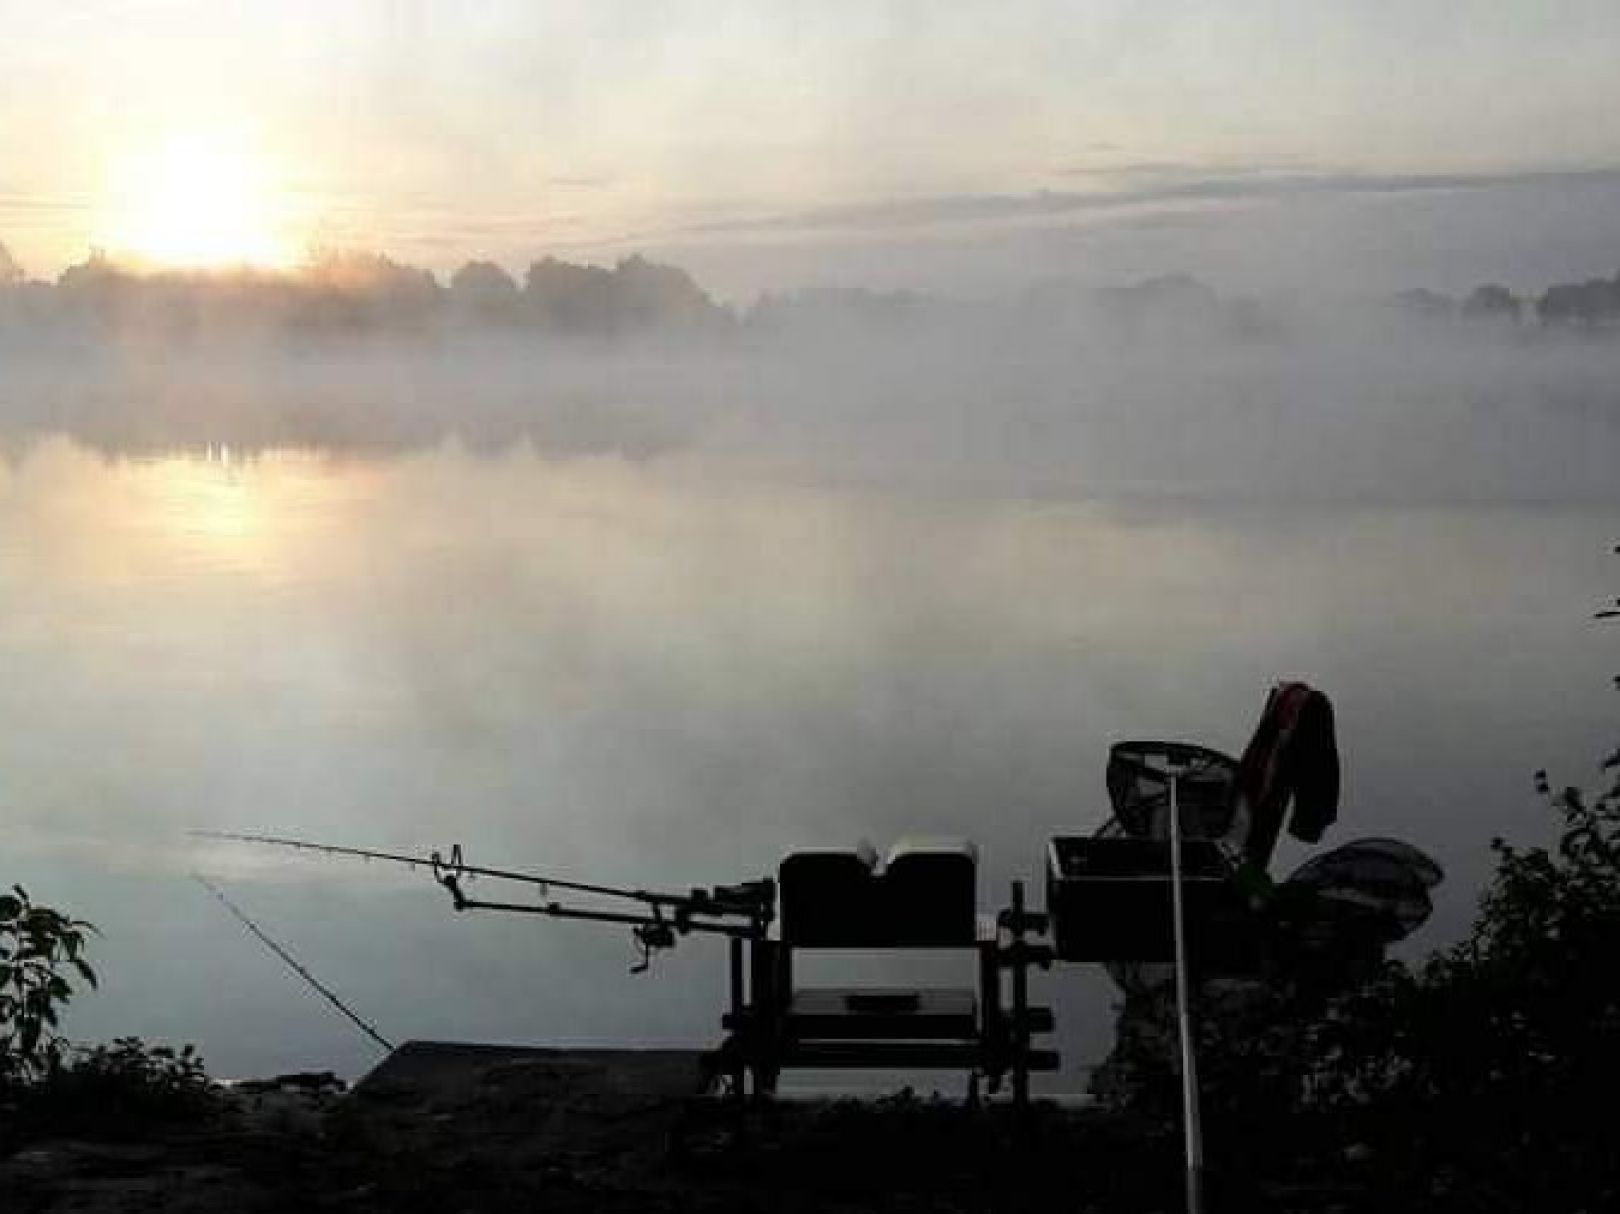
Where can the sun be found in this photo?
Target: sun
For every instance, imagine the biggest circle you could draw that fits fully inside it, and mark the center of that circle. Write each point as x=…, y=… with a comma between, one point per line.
x=198, y=202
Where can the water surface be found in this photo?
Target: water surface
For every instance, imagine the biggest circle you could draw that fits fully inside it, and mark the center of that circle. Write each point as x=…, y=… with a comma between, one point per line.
x=642, y=672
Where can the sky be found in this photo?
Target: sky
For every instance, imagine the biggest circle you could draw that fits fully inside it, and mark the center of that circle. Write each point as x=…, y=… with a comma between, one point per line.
x=905, y=143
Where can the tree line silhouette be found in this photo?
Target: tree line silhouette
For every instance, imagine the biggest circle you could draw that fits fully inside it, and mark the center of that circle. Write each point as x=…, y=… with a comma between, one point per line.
x=339, y=291
x=1590, y=305
x=347, y=291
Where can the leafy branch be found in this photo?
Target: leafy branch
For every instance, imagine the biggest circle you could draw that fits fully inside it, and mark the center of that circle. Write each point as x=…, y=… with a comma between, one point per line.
x=39, y=948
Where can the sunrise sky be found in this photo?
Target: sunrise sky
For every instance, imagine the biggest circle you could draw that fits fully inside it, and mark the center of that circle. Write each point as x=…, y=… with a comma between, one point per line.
x=766, y=143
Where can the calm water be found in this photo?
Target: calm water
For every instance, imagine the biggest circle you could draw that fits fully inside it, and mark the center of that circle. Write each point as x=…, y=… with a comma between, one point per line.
x=635, y=673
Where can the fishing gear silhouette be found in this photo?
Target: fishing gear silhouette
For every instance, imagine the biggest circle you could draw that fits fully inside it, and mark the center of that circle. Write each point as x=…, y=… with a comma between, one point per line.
x=742, y=911
x=292, y=963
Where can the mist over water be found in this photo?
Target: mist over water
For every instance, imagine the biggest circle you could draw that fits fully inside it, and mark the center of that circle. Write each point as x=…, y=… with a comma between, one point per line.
x=656, y=613
x=1058, y=395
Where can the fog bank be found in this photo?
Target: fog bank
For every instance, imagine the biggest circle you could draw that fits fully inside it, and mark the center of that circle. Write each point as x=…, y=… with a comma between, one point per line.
x=1048, y=395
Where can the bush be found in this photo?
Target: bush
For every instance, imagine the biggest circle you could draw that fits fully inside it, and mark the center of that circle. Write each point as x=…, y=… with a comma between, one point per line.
x=121, y=1088
x=1468, y=1082
x=1489, y=1060
x=48, y=1085
x=39, y=946
x=1475, y=1079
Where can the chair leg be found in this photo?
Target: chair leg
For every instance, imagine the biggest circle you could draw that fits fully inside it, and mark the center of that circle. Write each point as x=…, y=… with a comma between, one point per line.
x=742, y=1027
x=992, y=1025
x=1020, y=1005
x=768, y=984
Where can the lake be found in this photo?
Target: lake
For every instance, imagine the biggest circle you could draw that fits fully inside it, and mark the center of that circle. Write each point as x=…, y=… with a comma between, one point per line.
x=655, y=673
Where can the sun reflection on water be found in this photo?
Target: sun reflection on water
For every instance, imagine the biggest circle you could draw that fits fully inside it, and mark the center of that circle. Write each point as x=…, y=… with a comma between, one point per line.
x=212, y=499
x=261, y=513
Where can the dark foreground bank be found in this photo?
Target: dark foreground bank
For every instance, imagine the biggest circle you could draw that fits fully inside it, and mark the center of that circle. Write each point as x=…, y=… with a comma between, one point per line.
x=484, y=1129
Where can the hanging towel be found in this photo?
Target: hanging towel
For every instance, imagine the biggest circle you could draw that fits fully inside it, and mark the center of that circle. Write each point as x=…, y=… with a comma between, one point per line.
x=1292, y=757
x=1313, y=760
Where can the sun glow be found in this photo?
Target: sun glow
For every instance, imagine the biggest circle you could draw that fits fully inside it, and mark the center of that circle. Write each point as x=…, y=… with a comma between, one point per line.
x=198, y=203
x=257, y=514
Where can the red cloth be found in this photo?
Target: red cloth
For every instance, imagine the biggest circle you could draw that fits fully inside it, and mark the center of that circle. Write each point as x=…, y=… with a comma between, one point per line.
x=1292, y=757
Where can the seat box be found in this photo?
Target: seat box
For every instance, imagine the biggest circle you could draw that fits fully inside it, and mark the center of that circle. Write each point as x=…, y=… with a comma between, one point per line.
x=1110, y=900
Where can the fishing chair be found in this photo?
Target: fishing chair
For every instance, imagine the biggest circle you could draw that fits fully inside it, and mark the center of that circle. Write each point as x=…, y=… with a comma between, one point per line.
x=923, y=897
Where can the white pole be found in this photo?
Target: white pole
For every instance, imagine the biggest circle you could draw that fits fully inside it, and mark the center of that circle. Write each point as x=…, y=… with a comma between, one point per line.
x=1189, y=1060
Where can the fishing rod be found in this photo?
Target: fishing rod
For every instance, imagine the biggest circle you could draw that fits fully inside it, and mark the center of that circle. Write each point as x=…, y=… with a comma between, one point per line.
x=293, y=963
x=436, y=862
x=742, y=911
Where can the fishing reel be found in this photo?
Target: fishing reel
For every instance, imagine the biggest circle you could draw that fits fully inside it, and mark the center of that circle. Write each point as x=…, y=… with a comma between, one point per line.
x=751, y=900
x=651, y=938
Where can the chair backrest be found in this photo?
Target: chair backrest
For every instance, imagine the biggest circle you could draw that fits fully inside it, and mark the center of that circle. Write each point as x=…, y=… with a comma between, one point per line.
x=924, y=896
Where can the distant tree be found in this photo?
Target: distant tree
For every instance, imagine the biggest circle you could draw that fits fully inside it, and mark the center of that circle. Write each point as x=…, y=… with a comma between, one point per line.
x=10, y=272
x=1158, y=307
x=1166, y=293
x=358, y=289
x=1424, y=304
x=570, y=298
x=95, y=272
x=637, y=295
x=1590, y=304
x=96, y=290
x=482, y=291
x=1492, y=302
x=650, y=295
x=483, y=278
x=362, y=270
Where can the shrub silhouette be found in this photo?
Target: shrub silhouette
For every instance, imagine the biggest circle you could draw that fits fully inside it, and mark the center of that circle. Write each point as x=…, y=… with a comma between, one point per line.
x=39, y=947
x=1471, y=1081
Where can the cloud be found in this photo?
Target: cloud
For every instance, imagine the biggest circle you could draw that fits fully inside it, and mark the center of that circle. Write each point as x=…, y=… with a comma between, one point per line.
x=1116, y=168
x=580, y=181
x=1233, y=185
